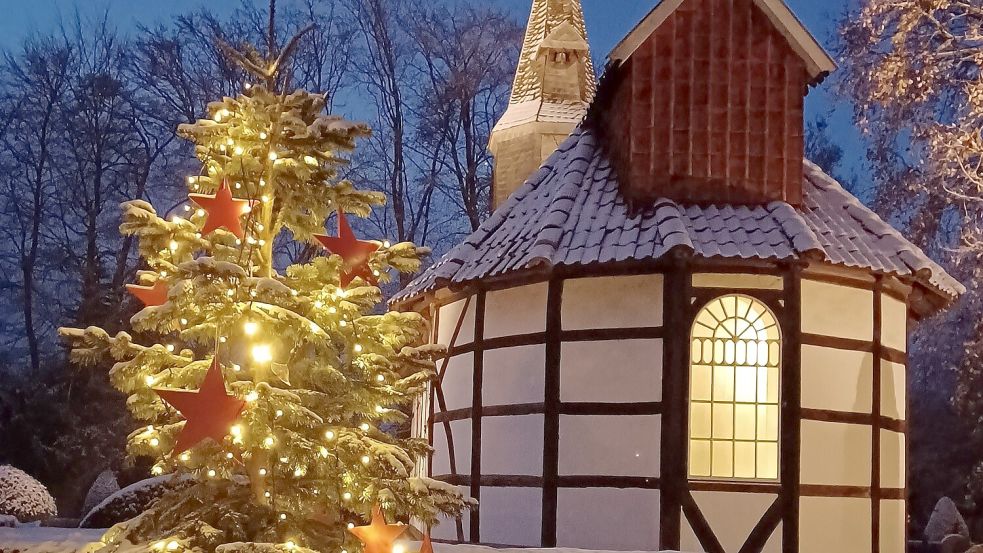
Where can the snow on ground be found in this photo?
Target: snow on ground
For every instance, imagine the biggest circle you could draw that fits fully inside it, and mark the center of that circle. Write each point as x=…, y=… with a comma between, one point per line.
x=30, y=539
x=33, y=539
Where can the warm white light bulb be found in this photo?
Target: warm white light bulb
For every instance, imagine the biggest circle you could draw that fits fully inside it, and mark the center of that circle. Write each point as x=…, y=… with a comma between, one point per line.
x=268, y=441
x=154, y=442
x=347, y=496
x=262, y=472
x=250, y=328
x=380, y=378
x=252, y=396
x=173, y=545
x=329, y=435
x=318, y=304
x=364, y=426
x=366, y=459
x=358, y=348
x=273, y=156
x=262, y=353
x=283, y=516
x=236, y=430
x=211, y=473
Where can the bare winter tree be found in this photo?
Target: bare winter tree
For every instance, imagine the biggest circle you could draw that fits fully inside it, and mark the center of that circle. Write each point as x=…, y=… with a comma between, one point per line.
x=466, y=60
x=37, y=80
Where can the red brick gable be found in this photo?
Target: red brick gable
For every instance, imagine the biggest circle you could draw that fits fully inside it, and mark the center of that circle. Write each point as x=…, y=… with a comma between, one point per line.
x=708, y=109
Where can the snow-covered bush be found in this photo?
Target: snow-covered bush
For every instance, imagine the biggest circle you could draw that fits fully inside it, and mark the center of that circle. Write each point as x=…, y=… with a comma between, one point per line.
x=945, y=520
x=131, y=501
x=104, y=486
x=24, y=497
x=7, y=521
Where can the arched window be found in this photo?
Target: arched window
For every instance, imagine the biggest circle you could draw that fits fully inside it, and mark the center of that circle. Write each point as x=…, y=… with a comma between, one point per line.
x=735, y=367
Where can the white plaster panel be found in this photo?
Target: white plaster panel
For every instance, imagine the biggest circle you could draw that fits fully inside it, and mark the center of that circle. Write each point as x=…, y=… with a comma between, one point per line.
x=839, y=524
x=450, y=316
x=447, y=528
x=892, y=459
x=732, y=516
x=623, y=371
x=894, y=390
x=774, y=543
x=894, y=323
x=612, y=302
x=834, y=310
x=511, y=516
x=738, y=281
x=610, y=445
x=687, y=537
x=837, y=380
x=461, y=433
x=836, y=454
x=512, y=445
x=893, y=529
x=608, y=519
x=514, y=375
x=458, y=383
x=515, y=311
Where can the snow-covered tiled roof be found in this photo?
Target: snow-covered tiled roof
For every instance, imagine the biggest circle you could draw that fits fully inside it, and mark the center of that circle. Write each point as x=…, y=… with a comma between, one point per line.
x=572, y=213
x=542, y=111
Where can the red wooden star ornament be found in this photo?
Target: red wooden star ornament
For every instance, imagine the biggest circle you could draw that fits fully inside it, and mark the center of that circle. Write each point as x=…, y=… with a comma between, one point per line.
x=355, y=252
x=209, y=412
x=223, y=210
x=151, y=296
x=378, y=537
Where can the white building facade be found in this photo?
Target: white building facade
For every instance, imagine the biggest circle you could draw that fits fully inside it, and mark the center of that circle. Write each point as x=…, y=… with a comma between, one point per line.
x=629, y=373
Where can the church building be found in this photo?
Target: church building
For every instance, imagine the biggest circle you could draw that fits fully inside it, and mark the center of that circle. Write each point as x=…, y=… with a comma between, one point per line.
x=674, y=332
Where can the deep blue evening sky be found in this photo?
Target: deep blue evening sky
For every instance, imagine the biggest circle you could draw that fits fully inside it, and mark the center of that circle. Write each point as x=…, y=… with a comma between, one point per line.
x=607, y=21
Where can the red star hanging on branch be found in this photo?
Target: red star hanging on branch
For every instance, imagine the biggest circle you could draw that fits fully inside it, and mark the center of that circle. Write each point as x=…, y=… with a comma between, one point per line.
x=151, y=296
x=378, y=537
x=353, y=251
x=223, y=210
x=209, y=412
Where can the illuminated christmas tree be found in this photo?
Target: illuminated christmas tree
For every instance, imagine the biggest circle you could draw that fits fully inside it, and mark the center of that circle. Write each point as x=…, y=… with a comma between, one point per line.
x=273, y=393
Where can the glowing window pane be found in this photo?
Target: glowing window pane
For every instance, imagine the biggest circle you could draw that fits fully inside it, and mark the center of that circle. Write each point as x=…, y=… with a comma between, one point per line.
x=723, y=383
x=722, y=459
x=699, y=420
x=723, y=421
x=768, y=460
x=699, y=458
x=744, y=460
x=734, y=391
x=745, y=422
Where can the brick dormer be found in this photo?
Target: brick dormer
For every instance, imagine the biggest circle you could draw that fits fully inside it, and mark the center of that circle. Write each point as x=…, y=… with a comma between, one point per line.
x=703, y=102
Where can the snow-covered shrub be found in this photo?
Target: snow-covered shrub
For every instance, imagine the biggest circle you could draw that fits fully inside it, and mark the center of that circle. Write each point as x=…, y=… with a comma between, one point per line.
x=24, y=497
x=7, y=521
x=131, y=501
x=104, y=486
x=945, y=520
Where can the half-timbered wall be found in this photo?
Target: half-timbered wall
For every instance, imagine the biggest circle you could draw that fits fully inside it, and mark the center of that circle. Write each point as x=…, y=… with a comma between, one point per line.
x=560, y=396
x=853, y=413
x=549, y=405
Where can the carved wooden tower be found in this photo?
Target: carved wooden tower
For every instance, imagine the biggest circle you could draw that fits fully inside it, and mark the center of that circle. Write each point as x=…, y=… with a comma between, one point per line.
x=553, y=86
x=678, y=333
